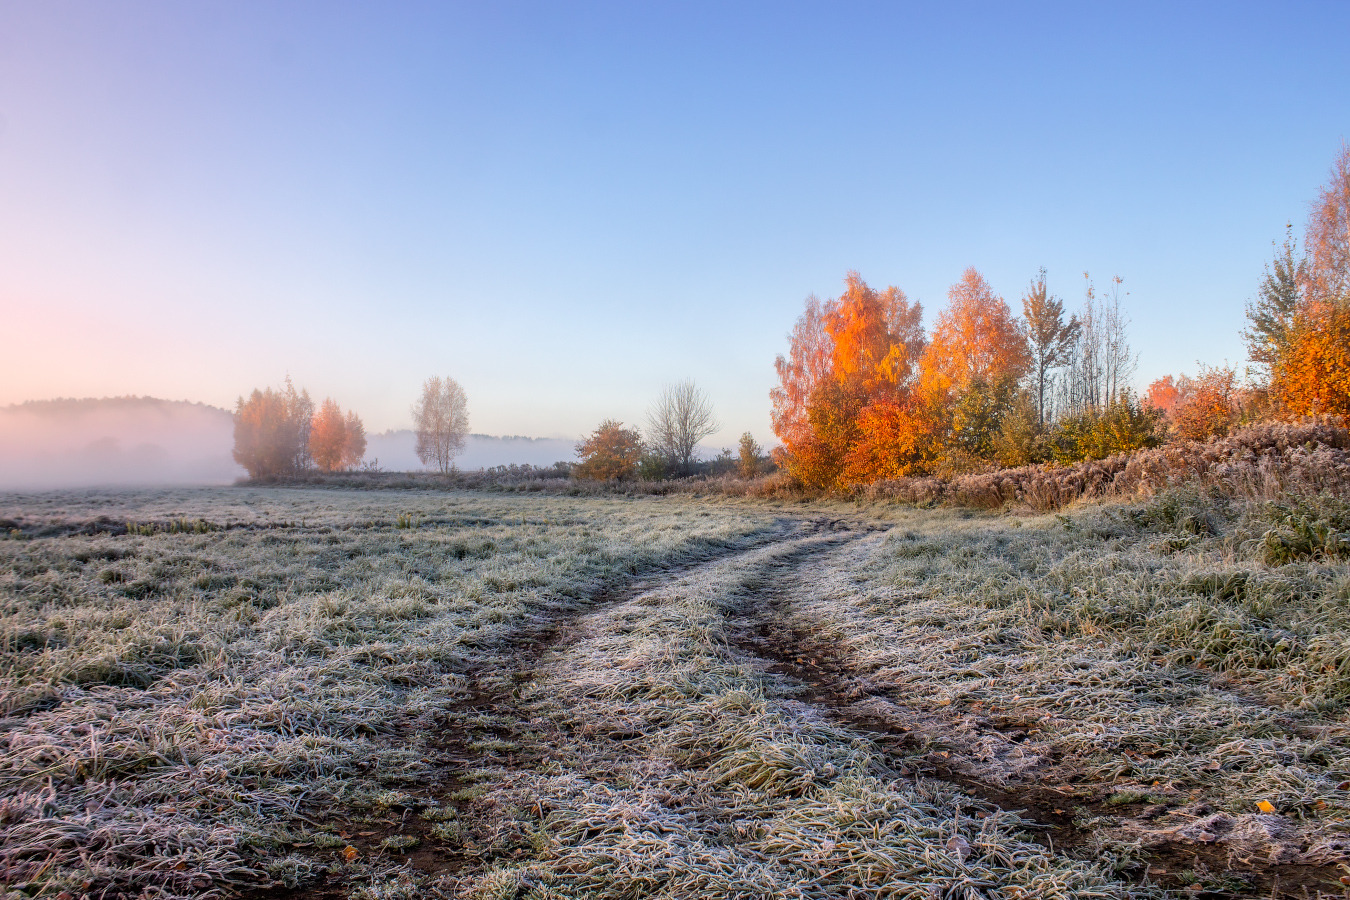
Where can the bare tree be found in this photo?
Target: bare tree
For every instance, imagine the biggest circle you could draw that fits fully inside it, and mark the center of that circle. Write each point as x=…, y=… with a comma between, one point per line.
x=1051, y=338
x=681, y=417
x=1101, y=365
x=441, y=420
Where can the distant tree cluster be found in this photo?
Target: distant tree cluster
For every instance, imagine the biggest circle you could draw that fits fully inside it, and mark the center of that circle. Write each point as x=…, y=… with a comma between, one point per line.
x=278, y=432
x=864, y=394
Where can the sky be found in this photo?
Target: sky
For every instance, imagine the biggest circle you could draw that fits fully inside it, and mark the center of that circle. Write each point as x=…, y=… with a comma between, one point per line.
x=566, y=206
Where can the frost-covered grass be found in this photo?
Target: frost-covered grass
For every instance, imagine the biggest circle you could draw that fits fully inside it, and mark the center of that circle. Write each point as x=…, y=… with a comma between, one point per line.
x=1155, y=654
x=544, y=696
x=678, y=768
x=181, y=706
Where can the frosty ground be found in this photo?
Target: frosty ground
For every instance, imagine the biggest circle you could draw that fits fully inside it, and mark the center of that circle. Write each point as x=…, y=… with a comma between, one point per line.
x=422, y=693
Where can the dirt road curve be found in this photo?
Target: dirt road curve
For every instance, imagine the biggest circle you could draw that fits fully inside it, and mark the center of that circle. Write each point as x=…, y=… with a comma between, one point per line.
x=696, y=732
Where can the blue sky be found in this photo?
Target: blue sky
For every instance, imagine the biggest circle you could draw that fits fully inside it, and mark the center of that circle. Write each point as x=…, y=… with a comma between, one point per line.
x=567, y=205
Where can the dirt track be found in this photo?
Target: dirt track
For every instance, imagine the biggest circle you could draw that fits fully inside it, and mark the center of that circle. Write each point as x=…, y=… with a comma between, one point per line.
x=529, y=724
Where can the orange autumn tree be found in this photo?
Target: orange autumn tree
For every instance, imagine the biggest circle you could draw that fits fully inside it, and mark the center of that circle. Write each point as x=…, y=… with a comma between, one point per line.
x=1199, y=408
x=1328, y=237
x=611, y=452
x=851, y=360
x=976, y=338
x=336, y=441
x=1164, y=393
x=969, y=372
x=806, y=366
x=1313, y=376
x=1301, y=326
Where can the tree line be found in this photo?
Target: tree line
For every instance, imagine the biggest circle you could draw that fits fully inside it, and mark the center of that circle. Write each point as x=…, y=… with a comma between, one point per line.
x=279, y=432
x=865, y=394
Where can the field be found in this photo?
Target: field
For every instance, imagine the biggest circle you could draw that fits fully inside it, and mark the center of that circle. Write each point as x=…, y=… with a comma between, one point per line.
x=410, y=693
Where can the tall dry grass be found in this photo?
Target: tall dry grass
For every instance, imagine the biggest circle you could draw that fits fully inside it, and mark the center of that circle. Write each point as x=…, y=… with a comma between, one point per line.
x=1264, y=462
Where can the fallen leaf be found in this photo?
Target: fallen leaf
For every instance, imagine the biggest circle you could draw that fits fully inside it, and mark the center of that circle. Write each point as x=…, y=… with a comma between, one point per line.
x=1266, y=806
x=350, y=853
x=959, y=846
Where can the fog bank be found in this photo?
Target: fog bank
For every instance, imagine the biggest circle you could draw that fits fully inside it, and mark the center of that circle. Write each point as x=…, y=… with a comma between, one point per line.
x=115, y=441
x=397, y=451
x=140, y=441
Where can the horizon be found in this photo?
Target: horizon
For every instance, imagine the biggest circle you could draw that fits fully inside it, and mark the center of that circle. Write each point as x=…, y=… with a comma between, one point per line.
x=567, y=208
x=53, y=401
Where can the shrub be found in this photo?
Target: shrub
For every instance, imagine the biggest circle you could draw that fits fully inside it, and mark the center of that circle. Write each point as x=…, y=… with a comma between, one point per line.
x=653, y=465
x=978, y=414
x=1020, y=441
x=1205, y=408
x=750, y=461
x=1123, y=426
x=611, y=453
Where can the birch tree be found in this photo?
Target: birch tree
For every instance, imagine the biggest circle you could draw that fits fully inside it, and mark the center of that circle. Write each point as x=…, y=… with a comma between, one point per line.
x=441, y=420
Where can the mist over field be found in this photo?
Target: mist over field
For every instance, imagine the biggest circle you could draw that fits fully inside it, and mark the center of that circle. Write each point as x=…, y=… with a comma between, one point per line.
x=397, y=451
x=141, y=441
x=116, y=441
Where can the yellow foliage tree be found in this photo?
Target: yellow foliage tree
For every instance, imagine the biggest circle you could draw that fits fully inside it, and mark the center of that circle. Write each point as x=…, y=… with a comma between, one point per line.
x=974, y=338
